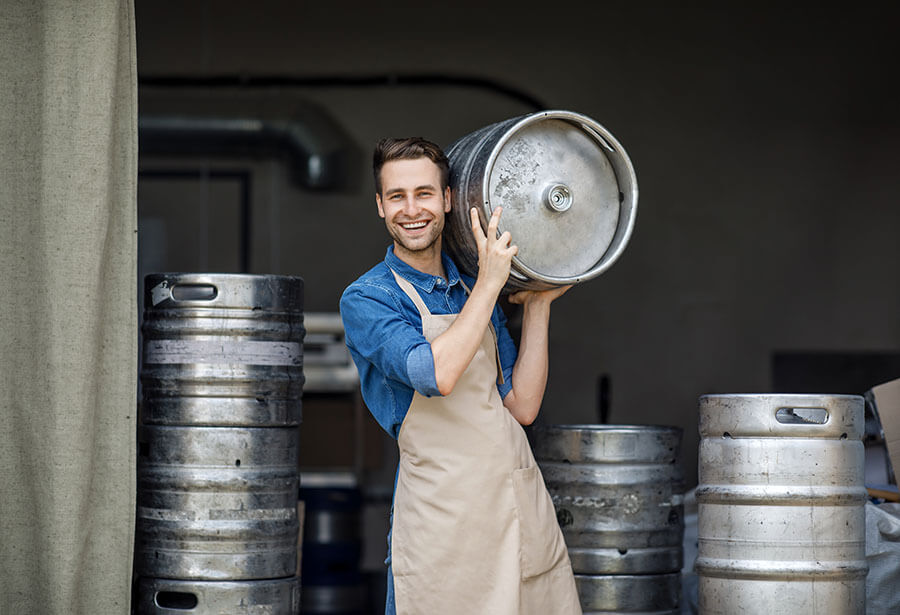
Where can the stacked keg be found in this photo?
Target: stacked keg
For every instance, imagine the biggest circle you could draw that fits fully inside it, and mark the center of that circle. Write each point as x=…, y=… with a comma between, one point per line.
x=781, y=518
x=222, y=378
x=618, y=492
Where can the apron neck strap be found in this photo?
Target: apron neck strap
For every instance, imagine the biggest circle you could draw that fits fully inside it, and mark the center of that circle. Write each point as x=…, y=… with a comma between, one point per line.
x=424, y=312
x=413, y=294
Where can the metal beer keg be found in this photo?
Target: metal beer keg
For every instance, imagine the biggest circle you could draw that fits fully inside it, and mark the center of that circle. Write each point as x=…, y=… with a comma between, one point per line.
x=222, y=349
x=641, y=594
x=177, y=597
x=217, y=503
x=222, y=381
x=618, y=493
x=568, y=192
x=781, y=519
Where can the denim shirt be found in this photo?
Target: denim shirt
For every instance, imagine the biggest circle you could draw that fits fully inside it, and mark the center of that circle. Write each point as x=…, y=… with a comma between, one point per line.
x=383, y=331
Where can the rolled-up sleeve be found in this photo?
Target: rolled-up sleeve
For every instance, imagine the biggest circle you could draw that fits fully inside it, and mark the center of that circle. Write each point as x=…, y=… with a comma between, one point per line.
x=378, y=332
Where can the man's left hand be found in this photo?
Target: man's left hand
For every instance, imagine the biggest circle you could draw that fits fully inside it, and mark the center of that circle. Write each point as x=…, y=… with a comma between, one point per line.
x=524, y=297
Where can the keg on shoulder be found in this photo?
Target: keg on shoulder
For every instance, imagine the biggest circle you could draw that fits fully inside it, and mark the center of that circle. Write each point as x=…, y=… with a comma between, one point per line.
x=217, y=525
x=781, y=520
x=618, y=493
x=567, y=189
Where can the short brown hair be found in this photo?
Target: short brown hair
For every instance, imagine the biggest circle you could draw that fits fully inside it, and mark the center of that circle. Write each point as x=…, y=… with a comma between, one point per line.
x=409, y=148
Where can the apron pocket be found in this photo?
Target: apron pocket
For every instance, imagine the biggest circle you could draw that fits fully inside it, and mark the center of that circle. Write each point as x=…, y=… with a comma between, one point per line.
x=541, y=545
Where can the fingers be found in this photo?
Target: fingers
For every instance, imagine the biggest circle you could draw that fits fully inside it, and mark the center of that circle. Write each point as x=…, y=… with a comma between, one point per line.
x=494, y=222
x=518, y=297
x=477, y=233
x=524, y=296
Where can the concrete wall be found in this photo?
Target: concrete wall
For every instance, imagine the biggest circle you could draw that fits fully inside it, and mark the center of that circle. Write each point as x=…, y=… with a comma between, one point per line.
x=765, y=143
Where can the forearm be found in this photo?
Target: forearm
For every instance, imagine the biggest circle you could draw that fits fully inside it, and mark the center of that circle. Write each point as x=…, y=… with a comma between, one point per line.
x=529, y=378
x=454, y=349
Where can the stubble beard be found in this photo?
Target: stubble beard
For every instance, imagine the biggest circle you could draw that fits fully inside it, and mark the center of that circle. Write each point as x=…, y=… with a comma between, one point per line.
x=418, y=247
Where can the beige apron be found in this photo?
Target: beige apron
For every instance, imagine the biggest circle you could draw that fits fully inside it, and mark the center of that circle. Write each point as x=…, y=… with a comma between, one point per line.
x=474, y=528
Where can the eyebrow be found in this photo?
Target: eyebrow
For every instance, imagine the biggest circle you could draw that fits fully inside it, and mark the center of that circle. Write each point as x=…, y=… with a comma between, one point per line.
x=417, y=188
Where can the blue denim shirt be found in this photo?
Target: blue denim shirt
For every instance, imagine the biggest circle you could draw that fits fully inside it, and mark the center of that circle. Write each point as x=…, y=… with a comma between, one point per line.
x=383, y=330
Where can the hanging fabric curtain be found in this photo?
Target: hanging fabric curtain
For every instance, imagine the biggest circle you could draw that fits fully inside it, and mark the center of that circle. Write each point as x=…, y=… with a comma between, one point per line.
x=68, y=316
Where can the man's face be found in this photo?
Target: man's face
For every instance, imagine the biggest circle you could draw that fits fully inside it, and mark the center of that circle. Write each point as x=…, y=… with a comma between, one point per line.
x=412, y=203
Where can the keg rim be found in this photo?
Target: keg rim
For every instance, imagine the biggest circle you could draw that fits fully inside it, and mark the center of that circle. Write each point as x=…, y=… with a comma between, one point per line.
x=793, y=396
x=614, y=150
x=203, y=276
x=609, y=427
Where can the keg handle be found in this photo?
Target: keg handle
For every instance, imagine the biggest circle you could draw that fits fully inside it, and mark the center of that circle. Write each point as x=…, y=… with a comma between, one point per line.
x=801, y=416
x=183, y=292
x=182, y=601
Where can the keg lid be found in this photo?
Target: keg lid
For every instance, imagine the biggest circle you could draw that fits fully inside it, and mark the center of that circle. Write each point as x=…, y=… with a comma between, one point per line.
x=562, y=181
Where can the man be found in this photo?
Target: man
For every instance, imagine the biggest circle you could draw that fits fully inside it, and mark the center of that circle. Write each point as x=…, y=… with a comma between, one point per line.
x=473, y=528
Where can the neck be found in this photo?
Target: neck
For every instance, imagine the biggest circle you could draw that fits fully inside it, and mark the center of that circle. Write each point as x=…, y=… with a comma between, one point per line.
x=427, y=260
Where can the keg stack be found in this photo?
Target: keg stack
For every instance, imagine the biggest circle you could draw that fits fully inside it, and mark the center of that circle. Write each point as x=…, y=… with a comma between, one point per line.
x=618, y=492
x=222, y=378
x=781, y=517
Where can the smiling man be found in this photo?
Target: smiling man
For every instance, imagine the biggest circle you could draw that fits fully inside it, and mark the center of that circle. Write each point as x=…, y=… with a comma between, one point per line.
x=473, y=527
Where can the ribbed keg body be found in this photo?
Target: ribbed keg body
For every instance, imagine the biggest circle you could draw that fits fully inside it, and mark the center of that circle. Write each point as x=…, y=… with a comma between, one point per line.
x=781, y=519
x=218, y=443
x=639, y=594
x=567, y=189
x=175, y=597
x=217, y=503
x=222, y=349
x=618, y=492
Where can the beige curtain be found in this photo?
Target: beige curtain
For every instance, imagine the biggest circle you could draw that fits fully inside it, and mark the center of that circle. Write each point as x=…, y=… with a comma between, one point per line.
x=68, y=321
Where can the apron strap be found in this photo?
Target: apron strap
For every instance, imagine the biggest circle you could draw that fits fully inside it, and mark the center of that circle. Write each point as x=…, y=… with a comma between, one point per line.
x=413, y=294
x=500, y=378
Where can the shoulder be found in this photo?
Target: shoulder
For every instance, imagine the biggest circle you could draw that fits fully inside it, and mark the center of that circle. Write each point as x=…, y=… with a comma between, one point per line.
x=375, y=294
x=377, y=281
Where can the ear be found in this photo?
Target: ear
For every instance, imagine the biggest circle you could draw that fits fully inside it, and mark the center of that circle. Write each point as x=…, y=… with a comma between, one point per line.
x=380, y=207
x=447, y=203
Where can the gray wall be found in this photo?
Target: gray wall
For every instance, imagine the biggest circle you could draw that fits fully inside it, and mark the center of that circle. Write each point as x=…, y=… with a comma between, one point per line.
x=765, y=143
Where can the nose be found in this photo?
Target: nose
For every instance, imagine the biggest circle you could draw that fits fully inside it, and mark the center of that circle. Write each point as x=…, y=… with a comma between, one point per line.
x=409, y=205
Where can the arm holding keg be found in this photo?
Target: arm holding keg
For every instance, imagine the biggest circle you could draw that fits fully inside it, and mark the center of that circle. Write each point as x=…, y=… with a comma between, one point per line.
x=529, y=378
x=454, y=349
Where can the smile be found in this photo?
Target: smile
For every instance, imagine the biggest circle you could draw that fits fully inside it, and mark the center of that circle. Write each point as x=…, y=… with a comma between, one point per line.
x=410, y=226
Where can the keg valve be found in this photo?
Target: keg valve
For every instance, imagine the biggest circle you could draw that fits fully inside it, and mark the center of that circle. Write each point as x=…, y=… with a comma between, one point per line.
x=558, y=197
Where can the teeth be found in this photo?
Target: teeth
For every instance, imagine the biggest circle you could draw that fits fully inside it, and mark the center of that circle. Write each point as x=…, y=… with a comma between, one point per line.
x=414, y=225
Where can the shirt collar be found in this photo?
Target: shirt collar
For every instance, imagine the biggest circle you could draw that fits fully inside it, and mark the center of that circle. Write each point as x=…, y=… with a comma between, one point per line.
x=425, y=281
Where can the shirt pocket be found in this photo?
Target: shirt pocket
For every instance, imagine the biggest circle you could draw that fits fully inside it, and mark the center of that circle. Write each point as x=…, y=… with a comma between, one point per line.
x=541, y=545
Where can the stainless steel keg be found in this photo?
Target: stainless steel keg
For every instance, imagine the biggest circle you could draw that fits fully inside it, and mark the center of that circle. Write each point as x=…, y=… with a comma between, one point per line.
x=618, y=493
x=641, y=594
x=222, y=349
x=179, y=597
x=781, y=520
x=217, y=503
x=568, y=192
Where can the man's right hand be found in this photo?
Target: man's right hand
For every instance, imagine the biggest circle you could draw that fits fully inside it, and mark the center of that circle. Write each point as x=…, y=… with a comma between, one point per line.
x=494, y=253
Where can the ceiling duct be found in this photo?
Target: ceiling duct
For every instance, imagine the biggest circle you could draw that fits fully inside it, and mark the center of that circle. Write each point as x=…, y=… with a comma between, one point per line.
x=320, y=154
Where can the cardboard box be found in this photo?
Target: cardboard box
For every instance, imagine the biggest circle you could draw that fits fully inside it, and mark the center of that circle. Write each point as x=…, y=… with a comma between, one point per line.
x=887, y=402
